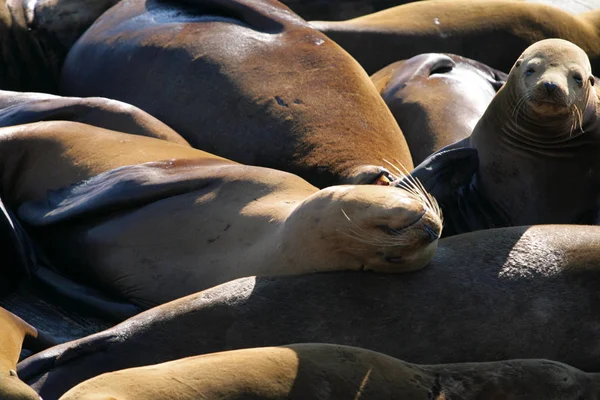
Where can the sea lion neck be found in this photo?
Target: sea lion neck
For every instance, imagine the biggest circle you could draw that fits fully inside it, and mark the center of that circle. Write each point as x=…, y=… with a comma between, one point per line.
x=511, y=124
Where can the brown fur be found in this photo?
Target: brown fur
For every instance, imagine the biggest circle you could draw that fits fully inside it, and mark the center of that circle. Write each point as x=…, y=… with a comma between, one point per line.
x=538, y=148
x=323, y=371
x=436, y=98
x=485, y=296
x=247, y=80
x=490, y=31
x=164, y=220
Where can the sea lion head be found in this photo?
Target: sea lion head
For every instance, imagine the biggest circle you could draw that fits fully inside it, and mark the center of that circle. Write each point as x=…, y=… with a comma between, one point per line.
x=555, y=79
x=365, y=227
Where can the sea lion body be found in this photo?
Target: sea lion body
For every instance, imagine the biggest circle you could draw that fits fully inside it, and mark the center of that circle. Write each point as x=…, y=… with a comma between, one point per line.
x=151, y=220
x=539, y=139
x=490, y=31
x=533, y=156
x=437, y=99
x=18, y=108
x=36, y=36
x=323, y=371
x=487, y=296
x=246, y=80
x=13, y=331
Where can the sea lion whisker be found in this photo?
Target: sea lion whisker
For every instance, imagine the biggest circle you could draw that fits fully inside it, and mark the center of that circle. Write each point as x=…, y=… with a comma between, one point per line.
x=414, y=186
x=373, y=242
x=374, y=238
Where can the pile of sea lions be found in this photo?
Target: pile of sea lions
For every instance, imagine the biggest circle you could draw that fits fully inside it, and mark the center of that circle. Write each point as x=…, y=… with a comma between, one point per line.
x=221, y=183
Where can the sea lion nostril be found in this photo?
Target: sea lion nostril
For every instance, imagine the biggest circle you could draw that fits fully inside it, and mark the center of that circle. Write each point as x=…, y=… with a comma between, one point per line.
x=550, y=86
x=433, y=233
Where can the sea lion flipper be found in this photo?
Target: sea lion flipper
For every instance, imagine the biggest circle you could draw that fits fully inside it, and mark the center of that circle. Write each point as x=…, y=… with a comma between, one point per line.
x=112, y=190
x=91, y=299
x=447, y=170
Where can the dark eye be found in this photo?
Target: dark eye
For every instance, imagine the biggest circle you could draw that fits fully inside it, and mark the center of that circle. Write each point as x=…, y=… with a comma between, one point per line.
x=577, y=78
x=529, y=71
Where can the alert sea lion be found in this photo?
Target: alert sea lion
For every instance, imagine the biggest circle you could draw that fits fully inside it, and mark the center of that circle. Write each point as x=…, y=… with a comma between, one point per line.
x=537, y=148
x=17, y=108
x=13, y=331
x=325, y=371
x=36, y=36
x=490, y=31
x=243, y=79
x=488, y=295
x=437, y=98
x=151, y=221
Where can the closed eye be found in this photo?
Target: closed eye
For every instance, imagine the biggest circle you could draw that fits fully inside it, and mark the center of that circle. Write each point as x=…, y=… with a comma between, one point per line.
x=578, y=78
x=529, y=71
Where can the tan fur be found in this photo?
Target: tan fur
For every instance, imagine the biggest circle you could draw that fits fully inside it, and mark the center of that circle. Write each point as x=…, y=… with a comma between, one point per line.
x=503, y=289
x=12, y=332
x=493, y=32
x=538, y=148
x=244, y=221
x=321, y=371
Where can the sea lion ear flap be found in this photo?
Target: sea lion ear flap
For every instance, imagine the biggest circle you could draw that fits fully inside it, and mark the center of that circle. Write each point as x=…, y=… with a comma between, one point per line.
x=592, y=80
x=445, y=171
x=121, y=188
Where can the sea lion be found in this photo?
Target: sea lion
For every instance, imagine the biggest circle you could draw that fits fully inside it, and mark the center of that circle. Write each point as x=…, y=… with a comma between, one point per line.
x=490, y=31
x=487, y=296
x=18, y=108
x=437, y=98
x=36, y=36
x=325, y=371
x=246, y=80
x=152, y=221
x=537, y=148
x=13, y=331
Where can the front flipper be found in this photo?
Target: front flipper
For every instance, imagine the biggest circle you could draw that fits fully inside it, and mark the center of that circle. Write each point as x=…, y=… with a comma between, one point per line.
x=20, y=259
x=444, y=172
x=121, y=189
x=125, y=187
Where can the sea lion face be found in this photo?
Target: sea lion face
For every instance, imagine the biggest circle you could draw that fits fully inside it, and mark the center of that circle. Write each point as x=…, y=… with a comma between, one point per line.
x=367, y=227
x=555, y=77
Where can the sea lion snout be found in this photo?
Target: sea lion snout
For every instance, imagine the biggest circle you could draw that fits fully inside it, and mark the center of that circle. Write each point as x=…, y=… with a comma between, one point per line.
x=550, y=86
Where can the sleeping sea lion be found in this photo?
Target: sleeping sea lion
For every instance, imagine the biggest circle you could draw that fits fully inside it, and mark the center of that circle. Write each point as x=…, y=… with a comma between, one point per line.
x=151, y=221
x=247, y=80
x=493, y=32
x=325, y=371
x=520, y=292
x=437, y=98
